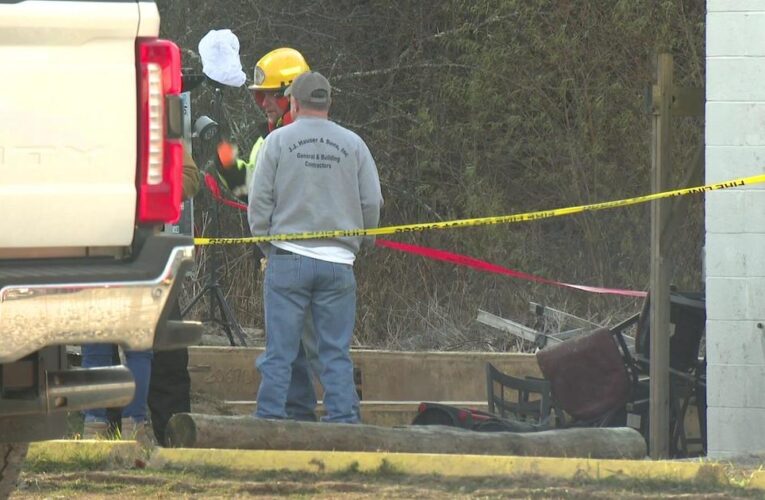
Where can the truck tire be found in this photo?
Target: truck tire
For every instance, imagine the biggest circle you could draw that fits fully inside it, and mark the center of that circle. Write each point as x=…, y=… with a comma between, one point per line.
x=11, y=458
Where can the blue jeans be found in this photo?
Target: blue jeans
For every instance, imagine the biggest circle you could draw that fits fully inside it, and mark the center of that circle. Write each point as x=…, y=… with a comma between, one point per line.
x=138, y=362
x=293, y=286
x=301, y=395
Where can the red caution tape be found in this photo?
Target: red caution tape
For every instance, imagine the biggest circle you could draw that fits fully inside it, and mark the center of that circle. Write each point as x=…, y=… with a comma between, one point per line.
x=481, y=265
x=454, y=258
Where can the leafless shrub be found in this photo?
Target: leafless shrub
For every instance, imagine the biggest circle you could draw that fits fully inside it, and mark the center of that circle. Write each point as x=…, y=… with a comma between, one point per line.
x=477, y=108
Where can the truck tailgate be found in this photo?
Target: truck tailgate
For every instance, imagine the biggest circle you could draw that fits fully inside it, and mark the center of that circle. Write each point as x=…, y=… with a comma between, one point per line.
x=67, y=123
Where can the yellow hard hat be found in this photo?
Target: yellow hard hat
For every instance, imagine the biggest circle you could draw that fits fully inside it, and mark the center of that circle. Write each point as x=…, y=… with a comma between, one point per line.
x=278, y=68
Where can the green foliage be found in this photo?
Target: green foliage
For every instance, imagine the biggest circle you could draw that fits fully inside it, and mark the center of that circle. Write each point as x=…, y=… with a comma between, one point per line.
x=477, y=108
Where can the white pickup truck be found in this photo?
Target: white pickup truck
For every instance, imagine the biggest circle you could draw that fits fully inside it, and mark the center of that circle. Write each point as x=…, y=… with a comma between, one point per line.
x=90, y=170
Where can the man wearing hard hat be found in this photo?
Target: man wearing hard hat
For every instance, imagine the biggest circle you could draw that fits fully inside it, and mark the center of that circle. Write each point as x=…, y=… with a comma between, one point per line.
x=274, y=72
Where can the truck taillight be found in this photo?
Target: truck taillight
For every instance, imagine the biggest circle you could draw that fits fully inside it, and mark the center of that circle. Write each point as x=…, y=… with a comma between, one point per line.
x=160, y=159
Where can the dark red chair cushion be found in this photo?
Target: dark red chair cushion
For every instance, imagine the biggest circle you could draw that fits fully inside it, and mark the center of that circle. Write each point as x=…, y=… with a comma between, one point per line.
x=587, y=375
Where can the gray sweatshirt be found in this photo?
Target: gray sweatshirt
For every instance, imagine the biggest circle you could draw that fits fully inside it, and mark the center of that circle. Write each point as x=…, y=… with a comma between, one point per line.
x=314, y=175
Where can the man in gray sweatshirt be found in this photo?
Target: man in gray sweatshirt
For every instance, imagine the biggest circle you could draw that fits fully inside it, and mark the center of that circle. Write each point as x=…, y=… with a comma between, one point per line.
x=312, y=175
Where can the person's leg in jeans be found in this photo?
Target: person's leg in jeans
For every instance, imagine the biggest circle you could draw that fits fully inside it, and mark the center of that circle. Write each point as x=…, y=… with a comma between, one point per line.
x=286, y=295
x=311, y=346
x=94, y=356
x=334, y=315
x=139, y=363
x=301, y=396
x=134, y=423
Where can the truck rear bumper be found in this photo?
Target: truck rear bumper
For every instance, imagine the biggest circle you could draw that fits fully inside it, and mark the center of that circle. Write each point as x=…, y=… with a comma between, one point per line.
x=96, y=302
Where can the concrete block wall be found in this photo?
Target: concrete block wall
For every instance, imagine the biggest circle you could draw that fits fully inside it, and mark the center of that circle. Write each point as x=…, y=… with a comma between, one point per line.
x=735, y=228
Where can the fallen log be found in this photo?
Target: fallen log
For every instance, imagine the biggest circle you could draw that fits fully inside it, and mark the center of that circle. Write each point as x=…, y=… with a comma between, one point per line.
x=191, y=430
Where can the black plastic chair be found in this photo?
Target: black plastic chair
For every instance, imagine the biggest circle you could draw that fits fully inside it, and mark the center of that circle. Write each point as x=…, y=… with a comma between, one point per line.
x=687, y=372
x=525, y=399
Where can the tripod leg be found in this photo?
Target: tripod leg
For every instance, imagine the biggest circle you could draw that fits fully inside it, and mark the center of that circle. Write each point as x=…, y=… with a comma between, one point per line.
x=227, y=329
x=215, y=300
x=229, y=320
x=194, y=300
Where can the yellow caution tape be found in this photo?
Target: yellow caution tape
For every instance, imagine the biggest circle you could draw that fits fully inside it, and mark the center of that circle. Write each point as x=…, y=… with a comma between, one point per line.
x=503, y=219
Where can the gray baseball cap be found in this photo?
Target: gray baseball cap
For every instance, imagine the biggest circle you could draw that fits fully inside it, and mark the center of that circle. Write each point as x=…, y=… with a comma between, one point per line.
x=311, y=87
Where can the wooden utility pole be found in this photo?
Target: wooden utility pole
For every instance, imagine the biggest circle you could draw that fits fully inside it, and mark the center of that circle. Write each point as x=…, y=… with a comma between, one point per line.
x=662, y=96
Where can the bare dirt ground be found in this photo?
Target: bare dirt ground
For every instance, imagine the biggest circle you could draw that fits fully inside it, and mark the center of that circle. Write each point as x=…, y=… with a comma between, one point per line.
x=64, y=481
